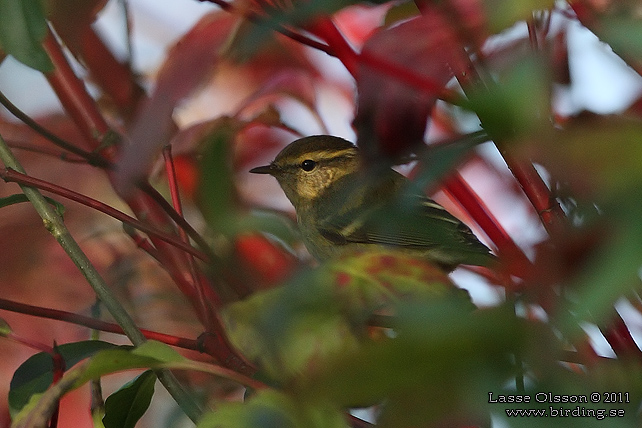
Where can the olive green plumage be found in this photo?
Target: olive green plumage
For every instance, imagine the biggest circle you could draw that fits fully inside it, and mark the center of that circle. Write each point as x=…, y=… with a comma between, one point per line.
x=341, y=206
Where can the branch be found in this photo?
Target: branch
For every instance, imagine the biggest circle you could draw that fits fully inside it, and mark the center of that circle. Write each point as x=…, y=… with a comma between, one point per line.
x=93, y=323
x=506, y=247
x=177, y=218
x=257, y=19
x=75, y=99
x=199, y=285
x=547, y=207
x=47, y=151
x=54, y=224
x=10, y=175
x=92, y=158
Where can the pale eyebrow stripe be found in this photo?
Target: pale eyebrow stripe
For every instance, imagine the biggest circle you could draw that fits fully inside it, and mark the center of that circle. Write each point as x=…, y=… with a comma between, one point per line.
x=325, y=154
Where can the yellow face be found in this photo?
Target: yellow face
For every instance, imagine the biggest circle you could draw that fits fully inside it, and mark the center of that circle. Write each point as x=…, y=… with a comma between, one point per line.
x=308, y=175
x=306, y=167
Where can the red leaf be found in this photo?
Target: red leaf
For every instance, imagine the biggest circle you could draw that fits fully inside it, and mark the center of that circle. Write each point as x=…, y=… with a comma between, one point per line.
x=265, y=261
x=252, y=144
x=71, y=18
x=294, y=83
x=187, y=66
x=392, y=116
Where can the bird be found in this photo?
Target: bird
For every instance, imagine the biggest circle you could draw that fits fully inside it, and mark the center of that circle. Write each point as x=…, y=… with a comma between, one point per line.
x=342, y=206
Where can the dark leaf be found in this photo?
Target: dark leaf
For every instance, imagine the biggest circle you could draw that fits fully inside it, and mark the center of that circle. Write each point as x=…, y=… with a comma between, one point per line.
x=504, y=13
x=519, y=103
x=36, y=374
x=22, y=30
x=126, y=406
x=150, y=354
x=216, y=190
x=256, y=36
x=391, y=115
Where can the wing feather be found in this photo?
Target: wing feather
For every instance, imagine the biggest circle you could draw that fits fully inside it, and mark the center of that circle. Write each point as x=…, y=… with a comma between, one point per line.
x=411, y=221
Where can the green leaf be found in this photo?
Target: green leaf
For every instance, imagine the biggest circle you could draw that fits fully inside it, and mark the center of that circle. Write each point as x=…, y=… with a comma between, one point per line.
x=287, y=329
x=159, y=351
x=623, y=32
x=518, y=104
x=599, y=156
x=126, y=406
x=36, y=374
x=502, y=14
x=110, y=361
x=22, y=29
x=21, y=197
x=400, y=12
x=298, y=328
x=216, y=190
x=273, y=409
x=442, y=360
x=612, y=273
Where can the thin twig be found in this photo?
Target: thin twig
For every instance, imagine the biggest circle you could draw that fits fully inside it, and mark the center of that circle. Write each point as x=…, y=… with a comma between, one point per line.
x=176, y=201
x=47, y=151
x=54, y=224
x=257, y=19
x=92, y=158
x=177, y=218
x=506, y=247
x=11, y=175
x=93, y=323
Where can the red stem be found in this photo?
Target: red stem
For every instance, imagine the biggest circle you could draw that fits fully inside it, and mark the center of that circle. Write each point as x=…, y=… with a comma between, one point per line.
x=507, y=250
x=74, y=97
x=324, y=28
x=11, y=175
x=85, y=113
x=88, y=322
x=535, y=189
x=199, y=284
x=59, y=368
x=620, y=339
x=547, y=207
x=114, y=77
x=255, y=18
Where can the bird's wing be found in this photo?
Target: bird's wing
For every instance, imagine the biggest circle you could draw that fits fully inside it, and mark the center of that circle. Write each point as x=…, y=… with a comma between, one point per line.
x=411, y=221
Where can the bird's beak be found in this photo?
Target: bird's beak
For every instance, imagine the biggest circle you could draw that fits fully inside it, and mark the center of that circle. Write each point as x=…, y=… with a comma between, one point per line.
x=267, y=169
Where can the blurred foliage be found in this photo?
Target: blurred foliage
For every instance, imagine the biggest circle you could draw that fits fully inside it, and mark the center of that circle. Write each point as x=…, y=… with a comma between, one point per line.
x=380, y=329
x=22, y=29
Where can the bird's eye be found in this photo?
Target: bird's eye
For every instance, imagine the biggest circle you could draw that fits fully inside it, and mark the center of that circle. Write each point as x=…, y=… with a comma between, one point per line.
x=308, y=165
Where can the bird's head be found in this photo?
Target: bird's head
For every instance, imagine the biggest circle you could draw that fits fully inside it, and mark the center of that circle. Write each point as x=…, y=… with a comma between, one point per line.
x=308, y=166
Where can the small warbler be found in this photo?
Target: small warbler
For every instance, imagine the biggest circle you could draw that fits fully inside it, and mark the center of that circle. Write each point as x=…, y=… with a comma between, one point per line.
x=341, y=206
